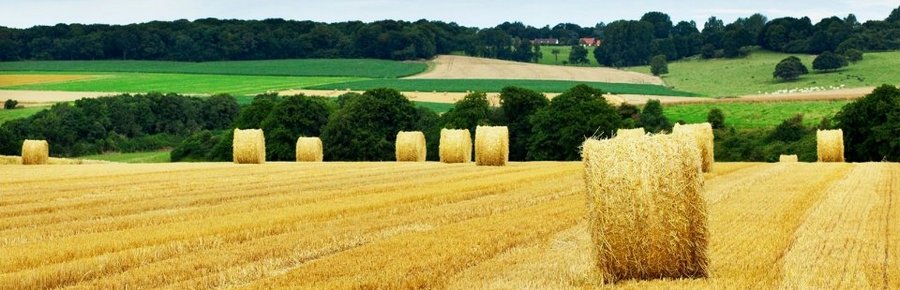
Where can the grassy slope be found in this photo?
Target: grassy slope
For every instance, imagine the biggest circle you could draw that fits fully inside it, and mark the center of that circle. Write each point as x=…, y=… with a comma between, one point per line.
x=8, y=115
x=753, y=74
x=136, y=157
x=293, y=67
x=462, y=85
x=184, y=83
x=756, y=115
x=564, y=50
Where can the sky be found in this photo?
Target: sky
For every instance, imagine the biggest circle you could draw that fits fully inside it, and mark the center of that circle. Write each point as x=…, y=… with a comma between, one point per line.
x=27, y=13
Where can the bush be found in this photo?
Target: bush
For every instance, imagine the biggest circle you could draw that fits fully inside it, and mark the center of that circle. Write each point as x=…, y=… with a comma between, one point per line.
x=10, y=104
x=871, y=125
x=790, y=68
x=790, y=130
x=517, y=106
x=561, y=127
x=365, y=128
x=196, y=147
x=290, y=118
x=652, y=118
x=658, y=65
x=124, y=123
x=472, y=110
x=630, y=115
x=853, y=55
x=716, y=118
x=828, y=61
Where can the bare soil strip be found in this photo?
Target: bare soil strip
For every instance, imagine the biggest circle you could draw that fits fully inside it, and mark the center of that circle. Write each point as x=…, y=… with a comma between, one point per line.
x=465, y=67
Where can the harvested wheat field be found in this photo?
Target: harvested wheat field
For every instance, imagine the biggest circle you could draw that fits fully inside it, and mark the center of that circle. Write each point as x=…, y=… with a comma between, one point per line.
x=423, y=225
x=466, y=67
x=8, y=80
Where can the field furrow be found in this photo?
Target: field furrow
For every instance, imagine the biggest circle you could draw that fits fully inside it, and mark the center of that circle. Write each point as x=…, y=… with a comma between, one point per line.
x=840, y=243
x=422, y=225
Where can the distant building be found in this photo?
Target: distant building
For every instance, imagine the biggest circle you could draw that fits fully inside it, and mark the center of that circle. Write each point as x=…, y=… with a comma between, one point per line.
x=589, y=41
x=552, y=41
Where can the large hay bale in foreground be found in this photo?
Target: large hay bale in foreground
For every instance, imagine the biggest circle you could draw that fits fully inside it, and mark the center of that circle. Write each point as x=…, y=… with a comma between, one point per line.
x=703, y=136
x=455, y=146
x=627, y=133
x=788, y=158
x=249, y=146
x=35, y=152
x=646, y=211
x=309, y=149
x=410, y=146
x=491, y=145
x=830, y=145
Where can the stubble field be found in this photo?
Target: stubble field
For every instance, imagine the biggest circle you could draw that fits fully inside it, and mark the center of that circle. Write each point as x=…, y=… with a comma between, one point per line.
x=414, y=225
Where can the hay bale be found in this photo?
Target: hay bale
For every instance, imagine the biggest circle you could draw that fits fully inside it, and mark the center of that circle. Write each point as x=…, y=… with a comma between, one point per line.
x=35, y=152
x=410, y=146
x=703, y=134
x=787, y=158
x=646, y=212
x=830, y=145
x=614, y=100
x=491, y=145
x=627, y=133
x=309, y=149
x=249, y=146
x=455, y=146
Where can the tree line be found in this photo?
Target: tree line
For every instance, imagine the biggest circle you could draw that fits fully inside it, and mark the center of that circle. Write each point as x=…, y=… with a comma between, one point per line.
x=363, y=127
x=625, y=42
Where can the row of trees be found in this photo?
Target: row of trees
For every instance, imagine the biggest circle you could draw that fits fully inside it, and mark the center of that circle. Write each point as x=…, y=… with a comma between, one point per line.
x=625, y=42
x=633, y=42
x=122, y=123
x=364, y=127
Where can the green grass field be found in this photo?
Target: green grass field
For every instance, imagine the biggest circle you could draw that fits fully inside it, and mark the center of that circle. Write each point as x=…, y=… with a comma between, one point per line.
x=753, y=74
x=564, y=51
x=756, y=115
x=8, y=115
x=136, y=157
x=182, y=83
x=462, y=85
x=369, y=68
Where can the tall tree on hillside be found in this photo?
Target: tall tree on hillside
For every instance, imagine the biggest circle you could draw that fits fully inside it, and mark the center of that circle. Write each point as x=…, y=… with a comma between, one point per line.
x=871, y=126
x=713, y=32
x=790, y=69
x=627, y=43
x=555, y=52
x=365, y=128
x=652, y=118
x=658, y=65
x=578, y=55
x=828, y=61
x=662, y=24
x=518, y=105
x=560, y=128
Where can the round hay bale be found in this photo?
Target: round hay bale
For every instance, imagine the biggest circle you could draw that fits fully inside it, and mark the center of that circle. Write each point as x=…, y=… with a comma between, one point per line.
x=646, y=212
x=830, y=145
x=249, y=146
x=35, y=152
x=410, y=146
x=309, y=149
x=787, y=158
x=455, y=146
x=614, y=100
x=703, y=134
x=628, y=133
x=491, y=145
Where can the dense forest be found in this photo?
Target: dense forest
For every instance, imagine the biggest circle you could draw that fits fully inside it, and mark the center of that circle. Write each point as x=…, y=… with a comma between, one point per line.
x=625, y=42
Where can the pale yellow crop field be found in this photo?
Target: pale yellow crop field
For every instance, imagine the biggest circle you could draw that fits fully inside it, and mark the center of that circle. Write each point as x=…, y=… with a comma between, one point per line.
x=422, y=225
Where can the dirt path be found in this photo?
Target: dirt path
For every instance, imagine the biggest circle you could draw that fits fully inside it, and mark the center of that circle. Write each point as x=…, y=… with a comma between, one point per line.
x=464, y=67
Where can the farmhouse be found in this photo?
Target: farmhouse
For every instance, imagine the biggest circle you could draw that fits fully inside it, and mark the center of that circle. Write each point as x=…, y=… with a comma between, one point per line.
x=589, y=41
x=545, y=41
